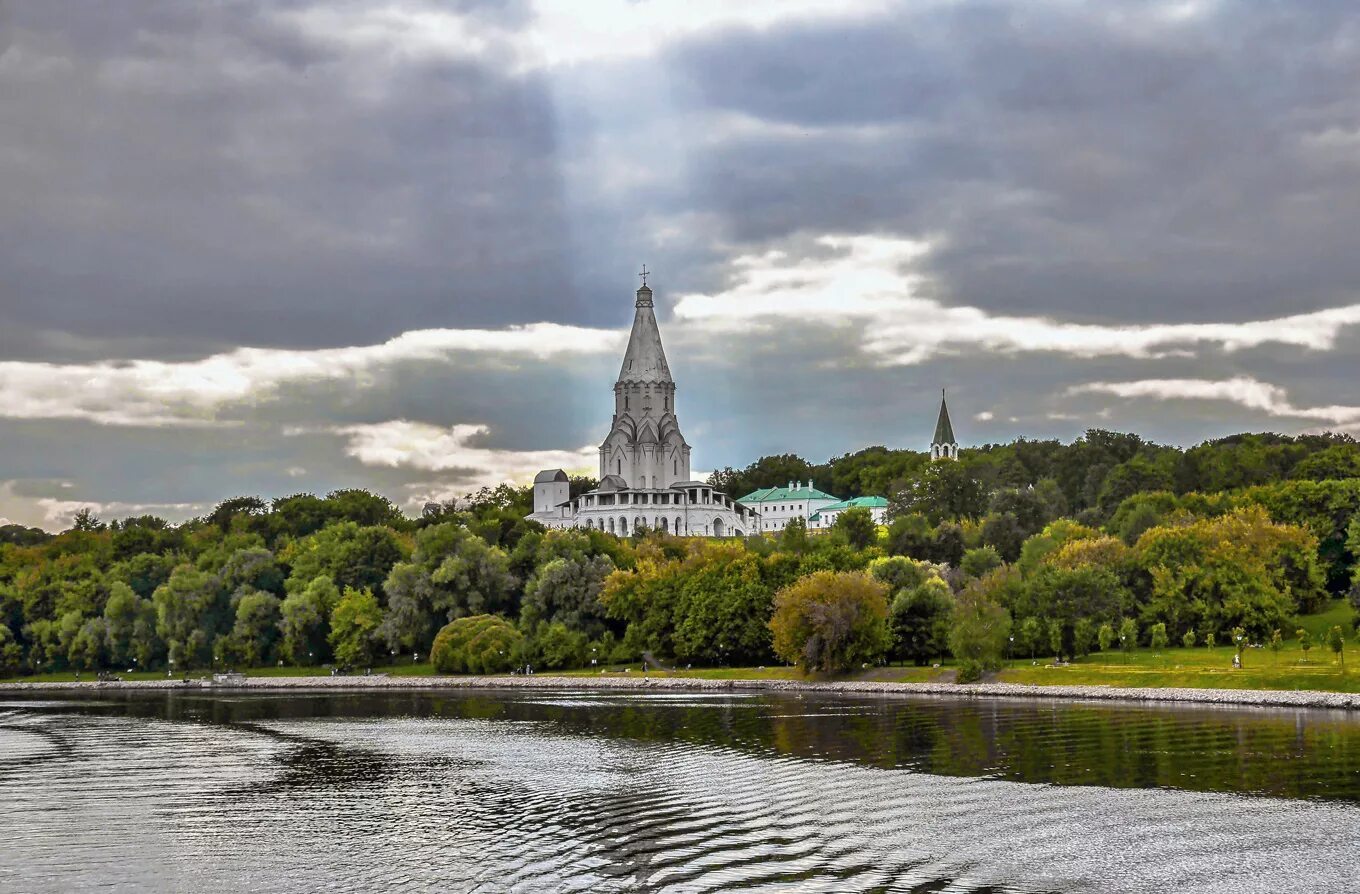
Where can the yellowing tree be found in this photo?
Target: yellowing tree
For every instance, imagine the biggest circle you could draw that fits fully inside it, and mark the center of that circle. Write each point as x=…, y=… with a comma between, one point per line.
x=831, y=621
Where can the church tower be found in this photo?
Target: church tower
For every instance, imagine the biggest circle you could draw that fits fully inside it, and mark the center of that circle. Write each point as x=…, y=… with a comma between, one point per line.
x=644, y=446
x=943, y=445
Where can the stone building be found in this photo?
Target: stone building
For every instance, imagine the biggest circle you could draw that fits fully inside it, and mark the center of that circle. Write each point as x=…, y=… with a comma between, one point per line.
x=943, y=445
x=825, y=517
x=780, y=505
x=644, y=460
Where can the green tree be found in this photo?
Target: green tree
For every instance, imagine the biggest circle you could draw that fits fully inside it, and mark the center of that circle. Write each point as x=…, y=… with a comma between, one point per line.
x=350, y=555
x=1157, y=637
x=901, y=573
x=1030, y=635
x=303, y=621
x=1003, y=533
x=1276, y=644
x=1305, y=642
x=474, y=578
x=558, y=646
x=981, y=627
x=1083, y=637
x=87, y=648
x=1128, y=635
x=191, y=611
x=354, y=626
x=856, y=527
x=1055, y=638
x=1336, y=641
x=831, y=621
x=479, y=644
x=567, y=591
x=919, y=621
x=1240, y=641
x=909, y=535
x=979, y=561
x=1188, y=638
x=11, y=655
x=120, y=622
x=794, y=537
x=1105, y=636
x=255, y=631
x=941, y=492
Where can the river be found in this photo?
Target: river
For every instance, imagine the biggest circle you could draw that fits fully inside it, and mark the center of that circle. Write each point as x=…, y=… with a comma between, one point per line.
x=669, y=792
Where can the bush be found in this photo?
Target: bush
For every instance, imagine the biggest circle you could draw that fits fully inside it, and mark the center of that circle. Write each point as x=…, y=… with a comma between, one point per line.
x=831, y=620
x=481, y=644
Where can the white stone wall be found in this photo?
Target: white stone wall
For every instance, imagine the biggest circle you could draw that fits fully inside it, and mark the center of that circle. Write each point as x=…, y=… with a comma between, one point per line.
x=548, y=495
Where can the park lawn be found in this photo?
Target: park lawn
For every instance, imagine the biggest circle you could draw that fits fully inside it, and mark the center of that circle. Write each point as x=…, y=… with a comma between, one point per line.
x=1197, y=668
x=1336, y=613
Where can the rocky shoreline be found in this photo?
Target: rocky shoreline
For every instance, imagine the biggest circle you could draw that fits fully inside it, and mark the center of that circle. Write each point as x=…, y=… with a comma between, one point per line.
x=643, y=683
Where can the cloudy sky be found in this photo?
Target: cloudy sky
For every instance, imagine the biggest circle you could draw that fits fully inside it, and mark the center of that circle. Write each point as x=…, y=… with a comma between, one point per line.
x=264, y=247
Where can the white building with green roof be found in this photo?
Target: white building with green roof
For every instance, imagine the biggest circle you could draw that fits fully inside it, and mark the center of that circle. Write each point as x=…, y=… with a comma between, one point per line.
x=644, y=460
x=825, y=517
x=777, y=506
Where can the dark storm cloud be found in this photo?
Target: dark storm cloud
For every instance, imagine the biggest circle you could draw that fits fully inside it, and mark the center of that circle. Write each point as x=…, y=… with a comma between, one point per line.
x=184, y=179
x=1094, y=160
x=220, y=174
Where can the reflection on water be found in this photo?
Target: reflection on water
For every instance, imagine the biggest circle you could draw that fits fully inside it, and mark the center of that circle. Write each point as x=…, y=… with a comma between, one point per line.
x=670, y=792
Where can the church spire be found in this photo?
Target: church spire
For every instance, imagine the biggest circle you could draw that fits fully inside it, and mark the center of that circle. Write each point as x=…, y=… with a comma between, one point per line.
x=943, y=445
x=645, y=360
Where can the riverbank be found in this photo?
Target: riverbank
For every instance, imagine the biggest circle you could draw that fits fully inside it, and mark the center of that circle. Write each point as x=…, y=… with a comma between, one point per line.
x=651, y=683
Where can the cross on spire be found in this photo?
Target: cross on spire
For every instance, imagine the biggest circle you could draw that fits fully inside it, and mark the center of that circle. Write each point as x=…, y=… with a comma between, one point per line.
x=643, y=274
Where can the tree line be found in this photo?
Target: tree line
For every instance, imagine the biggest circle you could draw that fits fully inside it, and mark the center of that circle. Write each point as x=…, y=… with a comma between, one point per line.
x=1008, y=549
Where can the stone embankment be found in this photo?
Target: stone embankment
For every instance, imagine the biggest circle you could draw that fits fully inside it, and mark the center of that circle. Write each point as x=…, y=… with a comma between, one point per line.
x=641, y=682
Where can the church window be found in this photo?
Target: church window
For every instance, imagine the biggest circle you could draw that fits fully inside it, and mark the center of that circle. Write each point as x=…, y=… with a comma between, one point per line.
x=675, y=467
x=618, y=466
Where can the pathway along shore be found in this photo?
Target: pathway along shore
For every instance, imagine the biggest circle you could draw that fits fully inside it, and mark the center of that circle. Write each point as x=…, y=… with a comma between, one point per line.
x=643, y=683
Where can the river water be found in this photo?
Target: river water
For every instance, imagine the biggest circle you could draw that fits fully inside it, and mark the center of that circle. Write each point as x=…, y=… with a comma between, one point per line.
x=675, y=792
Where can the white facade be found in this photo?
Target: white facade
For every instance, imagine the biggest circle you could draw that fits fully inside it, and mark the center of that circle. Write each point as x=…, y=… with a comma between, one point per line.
x=644, y=460
x=826, y=517
x=780, y=505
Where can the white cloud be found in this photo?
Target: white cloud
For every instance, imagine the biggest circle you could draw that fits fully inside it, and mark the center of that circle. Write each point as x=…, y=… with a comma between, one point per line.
x=189, y=393
x=567, y=31
x=402, y=444
x=984, y=416
x=871, y=280
x=558, y=32
x=1243, y=391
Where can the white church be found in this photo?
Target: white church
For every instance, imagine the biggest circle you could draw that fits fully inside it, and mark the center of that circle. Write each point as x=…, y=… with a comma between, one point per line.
x=644, y=461
x=644, y=465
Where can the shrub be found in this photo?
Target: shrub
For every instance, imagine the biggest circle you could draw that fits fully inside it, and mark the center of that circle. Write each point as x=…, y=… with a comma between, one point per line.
x=481, y=644
x=831, y=620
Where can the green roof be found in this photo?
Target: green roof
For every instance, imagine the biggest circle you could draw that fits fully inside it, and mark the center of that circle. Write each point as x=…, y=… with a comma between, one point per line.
x=866, y=502
x=944, y=431
x=772, y=494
